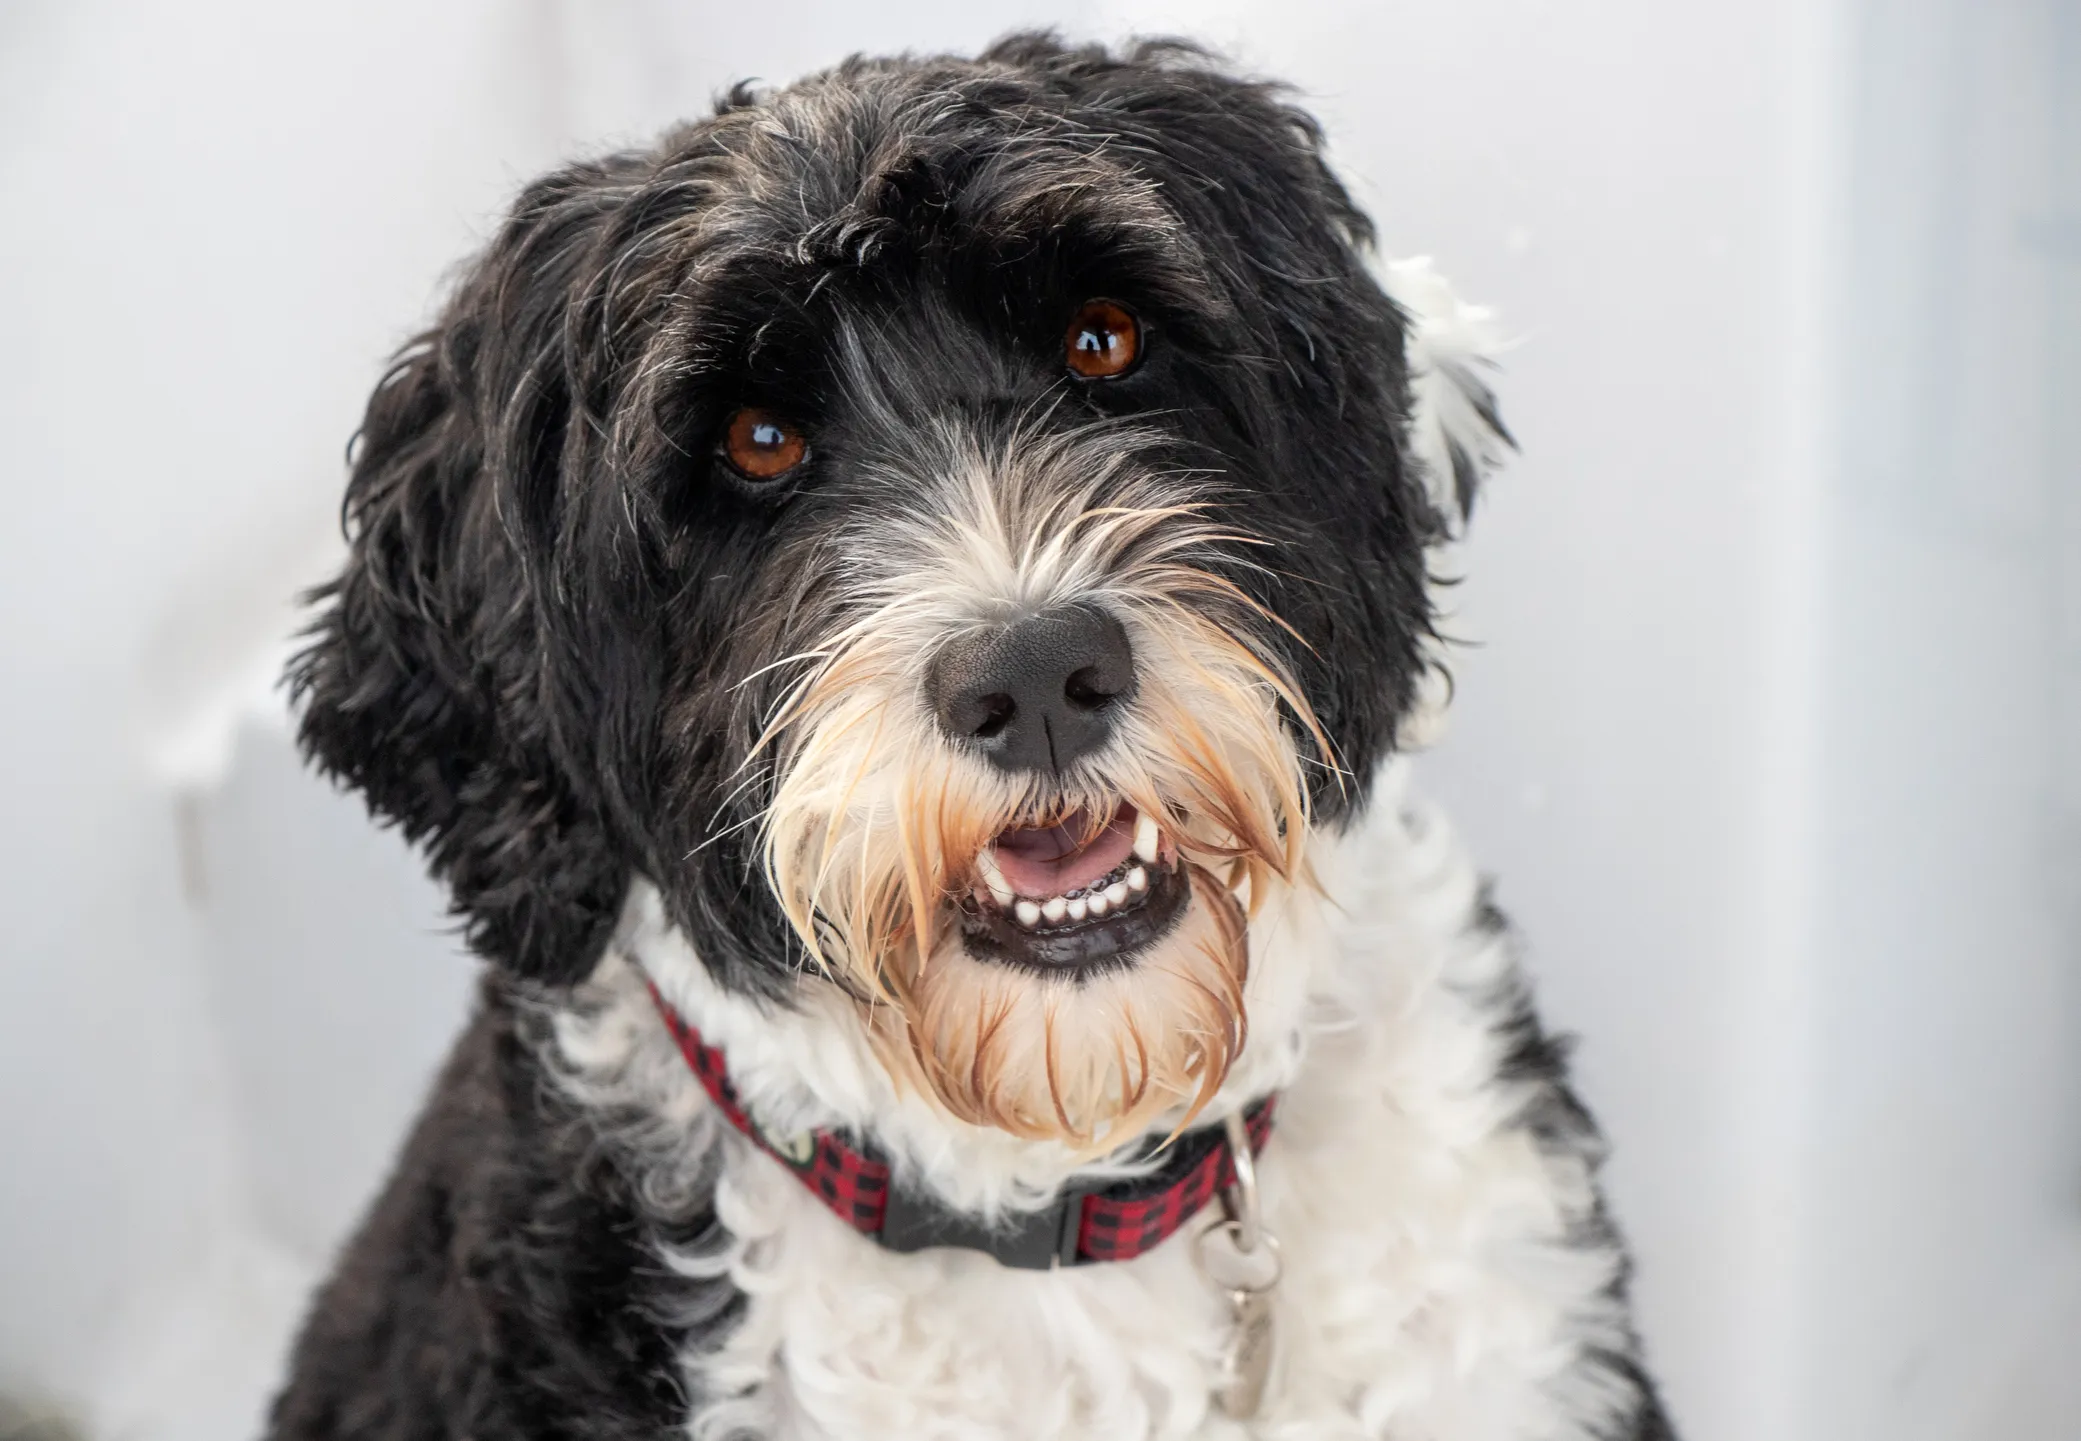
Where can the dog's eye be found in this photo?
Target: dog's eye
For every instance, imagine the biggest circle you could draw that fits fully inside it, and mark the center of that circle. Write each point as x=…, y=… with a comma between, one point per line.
x=761, y=446
x=1104, y=340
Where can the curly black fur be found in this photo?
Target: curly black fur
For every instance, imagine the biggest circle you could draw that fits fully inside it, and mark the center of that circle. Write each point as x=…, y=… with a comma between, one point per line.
x=506, y=1283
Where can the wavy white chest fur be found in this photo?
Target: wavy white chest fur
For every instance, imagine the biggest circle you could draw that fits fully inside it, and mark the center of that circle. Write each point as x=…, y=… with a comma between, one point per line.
x=1445, y=1280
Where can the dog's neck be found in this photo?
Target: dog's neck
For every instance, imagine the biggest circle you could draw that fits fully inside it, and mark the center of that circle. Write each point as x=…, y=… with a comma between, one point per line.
x=811, y=1065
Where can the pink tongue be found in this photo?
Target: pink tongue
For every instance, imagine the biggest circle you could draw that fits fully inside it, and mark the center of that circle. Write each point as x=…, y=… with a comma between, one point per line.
x=1043, y=861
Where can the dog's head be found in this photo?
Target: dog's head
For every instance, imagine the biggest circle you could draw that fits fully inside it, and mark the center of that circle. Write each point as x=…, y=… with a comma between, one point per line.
x=958, y=528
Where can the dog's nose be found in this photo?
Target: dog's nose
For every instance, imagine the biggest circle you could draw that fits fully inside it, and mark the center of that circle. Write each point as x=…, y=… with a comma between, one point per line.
x=1036, y=694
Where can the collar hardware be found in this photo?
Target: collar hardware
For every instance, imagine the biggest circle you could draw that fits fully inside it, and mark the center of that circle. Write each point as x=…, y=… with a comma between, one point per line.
x=1025, y=1240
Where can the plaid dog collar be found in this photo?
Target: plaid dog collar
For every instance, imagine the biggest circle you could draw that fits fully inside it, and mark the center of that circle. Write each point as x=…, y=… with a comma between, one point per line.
x=1112, y=1223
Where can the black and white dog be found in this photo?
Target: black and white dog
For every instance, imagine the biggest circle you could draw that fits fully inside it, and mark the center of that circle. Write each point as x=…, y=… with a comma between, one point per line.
x=894, y=612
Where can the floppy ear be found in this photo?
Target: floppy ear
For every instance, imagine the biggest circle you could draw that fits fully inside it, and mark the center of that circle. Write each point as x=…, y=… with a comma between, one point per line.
x=1456, y=435
x=421, y=685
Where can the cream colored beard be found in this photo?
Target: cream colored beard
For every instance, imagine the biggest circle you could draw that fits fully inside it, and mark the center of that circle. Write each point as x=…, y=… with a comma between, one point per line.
x=1088, y=1059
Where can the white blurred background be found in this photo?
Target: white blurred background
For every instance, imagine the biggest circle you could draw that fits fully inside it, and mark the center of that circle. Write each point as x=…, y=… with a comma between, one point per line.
x=1771, y=731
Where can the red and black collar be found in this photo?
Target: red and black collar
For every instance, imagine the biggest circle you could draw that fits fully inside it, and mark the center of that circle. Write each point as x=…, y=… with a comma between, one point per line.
x=1111, y=1223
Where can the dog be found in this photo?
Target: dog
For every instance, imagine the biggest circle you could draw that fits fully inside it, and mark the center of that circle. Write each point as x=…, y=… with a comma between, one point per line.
x=899, y=614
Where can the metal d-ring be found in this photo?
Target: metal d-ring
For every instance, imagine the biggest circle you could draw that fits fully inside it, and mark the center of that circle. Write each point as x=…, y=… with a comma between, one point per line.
x=1240, y=1200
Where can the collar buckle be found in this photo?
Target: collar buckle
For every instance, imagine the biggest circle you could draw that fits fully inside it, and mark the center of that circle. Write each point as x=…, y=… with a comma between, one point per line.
x=1026, y=1240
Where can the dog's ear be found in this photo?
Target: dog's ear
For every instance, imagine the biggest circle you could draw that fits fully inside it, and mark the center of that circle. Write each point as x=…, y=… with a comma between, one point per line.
x=422, y=685
x=1456, y=435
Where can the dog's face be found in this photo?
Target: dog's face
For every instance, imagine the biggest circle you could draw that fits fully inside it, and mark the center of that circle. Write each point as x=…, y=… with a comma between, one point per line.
x=950, y=525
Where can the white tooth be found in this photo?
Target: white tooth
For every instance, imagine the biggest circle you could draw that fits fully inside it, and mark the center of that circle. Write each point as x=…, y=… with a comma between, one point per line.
x=1054, y=908
x=1098, y=903
x=1077, y=908
x=986, y=867
x=1028, y=914
x=1146, y=837
x=1116, y=893
x=1138, y=880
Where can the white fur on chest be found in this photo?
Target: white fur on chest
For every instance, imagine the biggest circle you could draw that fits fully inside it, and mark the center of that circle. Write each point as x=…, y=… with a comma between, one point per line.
x=1439, y=1284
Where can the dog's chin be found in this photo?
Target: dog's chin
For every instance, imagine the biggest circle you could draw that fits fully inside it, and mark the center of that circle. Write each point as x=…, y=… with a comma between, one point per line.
x=1077, y=897
x=1091, y=983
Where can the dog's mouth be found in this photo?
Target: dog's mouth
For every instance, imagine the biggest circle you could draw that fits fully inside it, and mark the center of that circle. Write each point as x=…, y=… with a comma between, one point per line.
x=1075, y=894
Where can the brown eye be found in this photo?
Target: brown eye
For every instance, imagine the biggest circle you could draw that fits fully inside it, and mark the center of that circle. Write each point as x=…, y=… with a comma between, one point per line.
x=762, y=446
x=1104, y=340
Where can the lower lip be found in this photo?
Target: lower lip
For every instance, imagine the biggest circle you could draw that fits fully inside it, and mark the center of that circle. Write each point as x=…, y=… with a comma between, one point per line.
x=1084, y=949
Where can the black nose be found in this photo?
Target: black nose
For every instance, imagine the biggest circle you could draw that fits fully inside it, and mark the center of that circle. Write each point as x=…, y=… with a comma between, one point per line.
x=1036, y=694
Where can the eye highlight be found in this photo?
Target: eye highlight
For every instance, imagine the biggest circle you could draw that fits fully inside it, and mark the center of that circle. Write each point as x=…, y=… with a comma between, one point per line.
x=761, y=446
x=1104, y=340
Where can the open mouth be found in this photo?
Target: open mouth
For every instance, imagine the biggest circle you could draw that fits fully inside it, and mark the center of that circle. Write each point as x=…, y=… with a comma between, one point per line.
x=1075, y=895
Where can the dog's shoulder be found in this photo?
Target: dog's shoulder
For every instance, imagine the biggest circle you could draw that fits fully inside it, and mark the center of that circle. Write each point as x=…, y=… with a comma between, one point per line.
x=504, y=1284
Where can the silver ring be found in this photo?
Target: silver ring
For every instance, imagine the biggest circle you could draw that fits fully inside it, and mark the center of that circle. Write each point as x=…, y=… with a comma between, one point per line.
x=1270, y=1255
